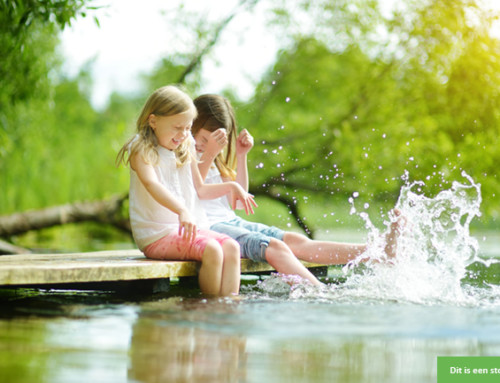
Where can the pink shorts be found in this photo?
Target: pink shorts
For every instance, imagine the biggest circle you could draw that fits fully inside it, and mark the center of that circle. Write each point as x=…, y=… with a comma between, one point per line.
x=172, y=247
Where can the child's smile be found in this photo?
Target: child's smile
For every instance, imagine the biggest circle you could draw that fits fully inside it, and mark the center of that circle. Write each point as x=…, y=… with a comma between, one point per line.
x=171, y=131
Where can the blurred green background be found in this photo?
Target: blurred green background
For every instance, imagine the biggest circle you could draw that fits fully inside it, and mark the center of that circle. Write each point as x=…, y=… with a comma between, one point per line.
x=355, y=98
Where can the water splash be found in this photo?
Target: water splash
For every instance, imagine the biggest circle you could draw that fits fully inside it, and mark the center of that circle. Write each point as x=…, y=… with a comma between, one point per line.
x=434, y=250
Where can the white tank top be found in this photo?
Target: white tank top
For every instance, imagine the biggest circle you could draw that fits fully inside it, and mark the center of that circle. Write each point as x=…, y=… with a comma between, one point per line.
x=150, y=220
x=219, y=209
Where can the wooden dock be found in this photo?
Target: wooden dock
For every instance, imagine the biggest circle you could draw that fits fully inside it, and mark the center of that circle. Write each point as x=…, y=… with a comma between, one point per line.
x=105, y=269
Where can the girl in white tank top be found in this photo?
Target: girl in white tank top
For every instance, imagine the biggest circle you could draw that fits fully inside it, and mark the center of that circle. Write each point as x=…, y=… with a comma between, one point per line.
x=166, y=217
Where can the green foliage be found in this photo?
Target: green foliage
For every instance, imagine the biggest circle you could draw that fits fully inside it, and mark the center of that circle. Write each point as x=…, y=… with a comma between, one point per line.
x=28, y=36
x=28, y=40
x=66, y=151
x=335, y=121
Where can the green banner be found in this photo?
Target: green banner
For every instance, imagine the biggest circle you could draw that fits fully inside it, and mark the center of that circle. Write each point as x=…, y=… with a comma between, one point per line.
x=468, y=369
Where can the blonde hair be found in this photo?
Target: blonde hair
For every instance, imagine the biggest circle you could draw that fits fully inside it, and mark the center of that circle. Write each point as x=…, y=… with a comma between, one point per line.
x=166, y=101
x=216, y=112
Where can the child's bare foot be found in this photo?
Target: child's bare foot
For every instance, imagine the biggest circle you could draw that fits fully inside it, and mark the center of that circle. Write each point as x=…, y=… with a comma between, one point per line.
x=391, y=238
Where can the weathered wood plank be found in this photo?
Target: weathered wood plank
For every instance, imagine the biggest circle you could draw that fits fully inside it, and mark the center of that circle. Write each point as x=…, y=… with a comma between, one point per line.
x=117, y=265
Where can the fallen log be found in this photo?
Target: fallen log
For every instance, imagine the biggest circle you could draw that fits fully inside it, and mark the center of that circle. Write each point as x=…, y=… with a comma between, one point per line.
x=106, y=211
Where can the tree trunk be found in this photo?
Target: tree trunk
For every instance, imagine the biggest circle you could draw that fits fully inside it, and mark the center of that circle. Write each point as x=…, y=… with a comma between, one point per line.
x=106, y=211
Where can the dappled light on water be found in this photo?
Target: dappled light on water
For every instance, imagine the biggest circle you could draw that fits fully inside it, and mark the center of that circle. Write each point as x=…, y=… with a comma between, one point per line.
x=436, y=256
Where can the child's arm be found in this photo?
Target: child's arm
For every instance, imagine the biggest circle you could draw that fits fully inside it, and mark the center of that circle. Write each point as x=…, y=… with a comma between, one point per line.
x=211, y=191
x=244, y=143
x=148, y=177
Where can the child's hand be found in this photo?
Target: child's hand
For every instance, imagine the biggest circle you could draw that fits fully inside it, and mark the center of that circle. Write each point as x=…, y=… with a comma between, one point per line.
x=240, y=196
x=217, y=141
x=187, y=227
x=244, y=142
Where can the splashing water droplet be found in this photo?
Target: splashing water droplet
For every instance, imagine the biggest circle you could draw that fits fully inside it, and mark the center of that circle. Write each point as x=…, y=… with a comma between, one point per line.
x=433, y=249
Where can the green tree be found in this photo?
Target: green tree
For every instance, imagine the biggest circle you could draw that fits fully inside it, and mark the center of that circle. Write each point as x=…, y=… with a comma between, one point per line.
x=28, y=65
x=347, y=109
x=28, y=36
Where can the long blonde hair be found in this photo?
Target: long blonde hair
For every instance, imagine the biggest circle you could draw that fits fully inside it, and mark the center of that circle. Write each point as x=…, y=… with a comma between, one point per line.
x=166, y=101
x=216, y=112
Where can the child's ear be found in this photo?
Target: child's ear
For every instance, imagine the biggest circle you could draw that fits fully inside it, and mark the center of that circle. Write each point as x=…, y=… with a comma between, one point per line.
x=152, y=120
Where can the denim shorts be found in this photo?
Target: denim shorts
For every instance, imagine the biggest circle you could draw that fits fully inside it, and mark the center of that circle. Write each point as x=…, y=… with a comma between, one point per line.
x=253, y=237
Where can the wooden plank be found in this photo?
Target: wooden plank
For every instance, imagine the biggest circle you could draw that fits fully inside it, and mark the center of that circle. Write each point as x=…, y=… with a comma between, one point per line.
x=116, y=265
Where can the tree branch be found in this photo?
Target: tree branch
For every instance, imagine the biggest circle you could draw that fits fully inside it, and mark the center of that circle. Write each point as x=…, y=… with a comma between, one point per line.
x=106, y=211
x=288, y=202
x=8, y=248
x=196, y=60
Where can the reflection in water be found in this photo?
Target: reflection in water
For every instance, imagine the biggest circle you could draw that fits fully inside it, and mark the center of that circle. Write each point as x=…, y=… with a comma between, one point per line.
x=358, y=360
x=166, y=348
x=63, y=350
x=258, y=339
x=170, y=353
x=279, y=341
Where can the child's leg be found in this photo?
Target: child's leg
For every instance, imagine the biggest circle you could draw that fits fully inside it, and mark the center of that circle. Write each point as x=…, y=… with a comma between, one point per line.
x=391, y=237
x=220, y=261
x=324, y=252
x=258, y=242
x=210, y=275
x=337, y=253
x=230, y=284
x=279, y=256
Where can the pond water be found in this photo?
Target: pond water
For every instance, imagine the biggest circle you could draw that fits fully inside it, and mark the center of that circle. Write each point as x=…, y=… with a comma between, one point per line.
x=371, y=322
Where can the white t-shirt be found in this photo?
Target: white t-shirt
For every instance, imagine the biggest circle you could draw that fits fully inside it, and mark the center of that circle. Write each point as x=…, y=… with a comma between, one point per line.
x=219, y=209
x=150, y=220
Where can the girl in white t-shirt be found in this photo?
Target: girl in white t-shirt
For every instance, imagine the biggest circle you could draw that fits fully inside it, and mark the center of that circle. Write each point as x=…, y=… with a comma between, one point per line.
x=223, y=156
x=166, y=216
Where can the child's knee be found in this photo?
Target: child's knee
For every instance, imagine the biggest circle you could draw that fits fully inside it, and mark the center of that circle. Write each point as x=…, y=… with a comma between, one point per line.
x=277, y=250
x=295, y=239
x=231, y=250
x=213, y=252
